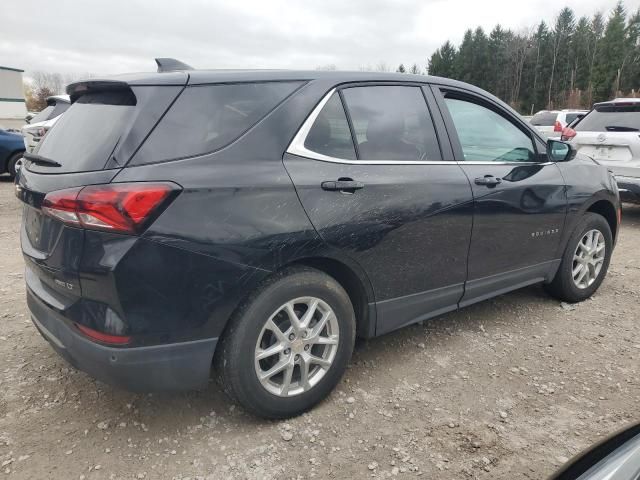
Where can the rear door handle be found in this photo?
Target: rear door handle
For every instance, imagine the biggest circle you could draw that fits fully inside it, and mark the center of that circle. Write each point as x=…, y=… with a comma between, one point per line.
x=488, y=180
x=349, y=186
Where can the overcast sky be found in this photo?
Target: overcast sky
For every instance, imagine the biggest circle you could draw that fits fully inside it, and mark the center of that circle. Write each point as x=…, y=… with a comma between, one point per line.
x=114, y=36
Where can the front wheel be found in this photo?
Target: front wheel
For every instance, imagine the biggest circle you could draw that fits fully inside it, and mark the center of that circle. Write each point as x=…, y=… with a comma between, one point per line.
x=585, y=261
x=288, y=345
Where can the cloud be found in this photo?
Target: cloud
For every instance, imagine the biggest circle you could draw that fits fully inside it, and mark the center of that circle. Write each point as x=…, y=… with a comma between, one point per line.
x=125, y=35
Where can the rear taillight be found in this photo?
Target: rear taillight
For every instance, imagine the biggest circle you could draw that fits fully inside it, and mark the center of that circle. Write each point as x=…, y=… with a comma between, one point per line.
x=567, y=134
x=103, y=337
x=116, y=207
x=557, y=127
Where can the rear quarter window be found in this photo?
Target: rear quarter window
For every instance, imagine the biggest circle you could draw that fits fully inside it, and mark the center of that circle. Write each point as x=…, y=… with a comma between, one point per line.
x=206, y=118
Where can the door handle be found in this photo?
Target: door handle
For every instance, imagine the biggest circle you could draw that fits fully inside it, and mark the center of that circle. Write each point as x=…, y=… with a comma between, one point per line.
x=488, y=180
x=348, y=186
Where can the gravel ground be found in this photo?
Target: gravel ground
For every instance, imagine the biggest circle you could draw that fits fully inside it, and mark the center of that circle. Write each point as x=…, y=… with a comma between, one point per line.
x=509, y=388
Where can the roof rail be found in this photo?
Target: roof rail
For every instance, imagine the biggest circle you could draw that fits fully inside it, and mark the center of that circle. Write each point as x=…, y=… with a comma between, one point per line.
x=171, y=65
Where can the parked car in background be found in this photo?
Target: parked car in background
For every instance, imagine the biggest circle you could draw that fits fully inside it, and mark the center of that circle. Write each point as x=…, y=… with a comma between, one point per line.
x=11, y=151
x=264, y=219
x=610, y=134
x=40, y=124
x=550, y=123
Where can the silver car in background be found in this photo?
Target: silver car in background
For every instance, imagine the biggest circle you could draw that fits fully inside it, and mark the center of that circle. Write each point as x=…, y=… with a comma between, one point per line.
x=40, y=124
x=610, y=134
x=550, y=123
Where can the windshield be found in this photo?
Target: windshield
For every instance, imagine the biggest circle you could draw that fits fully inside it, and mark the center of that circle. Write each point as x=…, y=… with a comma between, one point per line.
x=611, y=119
x=85, y=137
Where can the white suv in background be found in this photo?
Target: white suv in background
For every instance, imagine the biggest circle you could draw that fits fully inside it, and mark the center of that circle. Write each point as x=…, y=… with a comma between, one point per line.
x=610, y=134
x=550, y=123
x=44, y=120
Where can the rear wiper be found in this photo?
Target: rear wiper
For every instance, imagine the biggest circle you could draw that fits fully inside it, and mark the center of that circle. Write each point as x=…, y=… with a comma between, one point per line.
x=35, y=158
x=615, y=128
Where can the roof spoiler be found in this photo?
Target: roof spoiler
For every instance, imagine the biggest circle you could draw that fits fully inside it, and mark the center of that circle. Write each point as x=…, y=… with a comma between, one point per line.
x=171, y=65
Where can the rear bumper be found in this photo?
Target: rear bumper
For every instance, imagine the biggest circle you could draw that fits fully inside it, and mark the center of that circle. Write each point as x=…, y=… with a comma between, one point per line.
x=629, y=188
x=176, y=366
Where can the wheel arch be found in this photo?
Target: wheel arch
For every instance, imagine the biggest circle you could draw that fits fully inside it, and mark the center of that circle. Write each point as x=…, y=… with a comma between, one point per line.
x=607, y=210
x=357, y=287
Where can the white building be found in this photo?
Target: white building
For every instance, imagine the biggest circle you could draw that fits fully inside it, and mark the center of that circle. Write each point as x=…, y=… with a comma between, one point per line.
x=13, y=108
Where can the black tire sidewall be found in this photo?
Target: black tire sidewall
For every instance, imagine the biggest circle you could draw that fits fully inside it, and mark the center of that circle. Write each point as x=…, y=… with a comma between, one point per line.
x=239, y=346
x=11, y=164
x=569, y=290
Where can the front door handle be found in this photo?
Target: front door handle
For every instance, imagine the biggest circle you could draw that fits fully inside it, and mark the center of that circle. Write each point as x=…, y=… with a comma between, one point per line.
x=348, y=186
x=488, y=180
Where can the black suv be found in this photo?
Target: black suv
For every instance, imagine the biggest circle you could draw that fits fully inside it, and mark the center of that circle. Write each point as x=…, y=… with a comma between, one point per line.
x=258, y=221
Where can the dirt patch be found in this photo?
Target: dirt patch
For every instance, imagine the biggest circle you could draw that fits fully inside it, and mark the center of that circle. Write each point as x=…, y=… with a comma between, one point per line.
x=509, y=388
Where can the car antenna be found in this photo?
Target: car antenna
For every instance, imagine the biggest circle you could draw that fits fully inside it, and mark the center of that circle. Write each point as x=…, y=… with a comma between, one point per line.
x=171, y=65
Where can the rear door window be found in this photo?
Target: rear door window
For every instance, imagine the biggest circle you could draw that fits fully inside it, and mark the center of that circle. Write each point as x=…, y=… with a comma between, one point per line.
x=392, y=123
x=206, y=118
x=84, y=138
x=611, y=119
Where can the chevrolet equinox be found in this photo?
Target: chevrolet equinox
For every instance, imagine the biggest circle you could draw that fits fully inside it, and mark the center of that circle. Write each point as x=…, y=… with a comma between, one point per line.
x=254, y=223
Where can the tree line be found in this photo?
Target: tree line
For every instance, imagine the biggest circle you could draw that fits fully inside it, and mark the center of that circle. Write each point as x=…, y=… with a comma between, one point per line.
x=570, y=64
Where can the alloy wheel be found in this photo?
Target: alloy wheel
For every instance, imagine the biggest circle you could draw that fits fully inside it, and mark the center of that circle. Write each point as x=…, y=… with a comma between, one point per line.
x=296, y=347
x=588, y=259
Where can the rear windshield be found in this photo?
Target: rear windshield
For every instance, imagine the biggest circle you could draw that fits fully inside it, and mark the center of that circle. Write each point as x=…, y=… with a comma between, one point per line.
x=87, y=134
x=51, y=112
x=206, y=118
x=544, y=119
x=42, y=115
x=611, y=119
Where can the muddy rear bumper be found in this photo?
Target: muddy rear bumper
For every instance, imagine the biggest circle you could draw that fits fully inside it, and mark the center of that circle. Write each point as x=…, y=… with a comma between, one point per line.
x=175, y=366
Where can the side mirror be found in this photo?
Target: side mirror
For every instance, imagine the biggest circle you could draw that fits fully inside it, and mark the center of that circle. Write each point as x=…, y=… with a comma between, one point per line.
x=559, y=151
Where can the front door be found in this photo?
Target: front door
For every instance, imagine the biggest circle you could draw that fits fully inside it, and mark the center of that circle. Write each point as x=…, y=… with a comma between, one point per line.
x=373, y=182
x=519, y=196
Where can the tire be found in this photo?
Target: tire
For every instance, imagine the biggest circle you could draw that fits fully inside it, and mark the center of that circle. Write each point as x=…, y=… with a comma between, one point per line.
x=236, y=360
x=11, y=163
x=563, y=286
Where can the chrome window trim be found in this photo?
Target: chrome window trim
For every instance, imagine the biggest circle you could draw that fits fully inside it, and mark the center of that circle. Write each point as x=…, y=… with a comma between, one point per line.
x=296, y=147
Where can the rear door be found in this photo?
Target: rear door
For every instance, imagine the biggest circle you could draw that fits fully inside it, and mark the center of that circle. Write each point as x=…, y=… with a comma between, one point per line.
x=519, y=197
x=610, y=134
x=378, y=187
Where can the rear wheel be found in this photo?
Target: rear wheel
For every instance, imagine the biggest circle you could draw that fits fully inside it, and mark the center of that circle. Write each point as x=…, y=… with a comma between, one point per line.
x=585, y=261
x=288, y=345
x=14, y=163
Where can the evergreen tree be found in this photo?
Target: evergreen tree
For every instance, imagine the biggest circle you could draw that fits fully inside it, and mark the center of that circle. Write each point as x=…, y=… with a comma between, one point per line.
x=401, y=69
x=610, y=56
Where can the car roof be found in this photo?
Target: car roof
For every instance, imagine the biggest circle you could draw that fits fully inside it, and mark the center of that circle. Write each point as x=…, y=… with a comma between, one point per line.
x=201, y=77
x=616, y=101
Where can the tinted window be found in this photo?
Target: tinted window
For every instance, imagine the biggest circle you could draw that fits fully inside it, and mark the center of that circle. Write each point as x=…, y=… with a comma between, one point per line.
x=330, y=134
x=487, y=136
x=572, y=116
x=544, y=119
x=612, y=119
x=43, y=115
x=206, y=118
x=59, y=109
x=86, y=135
x=392, y=123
